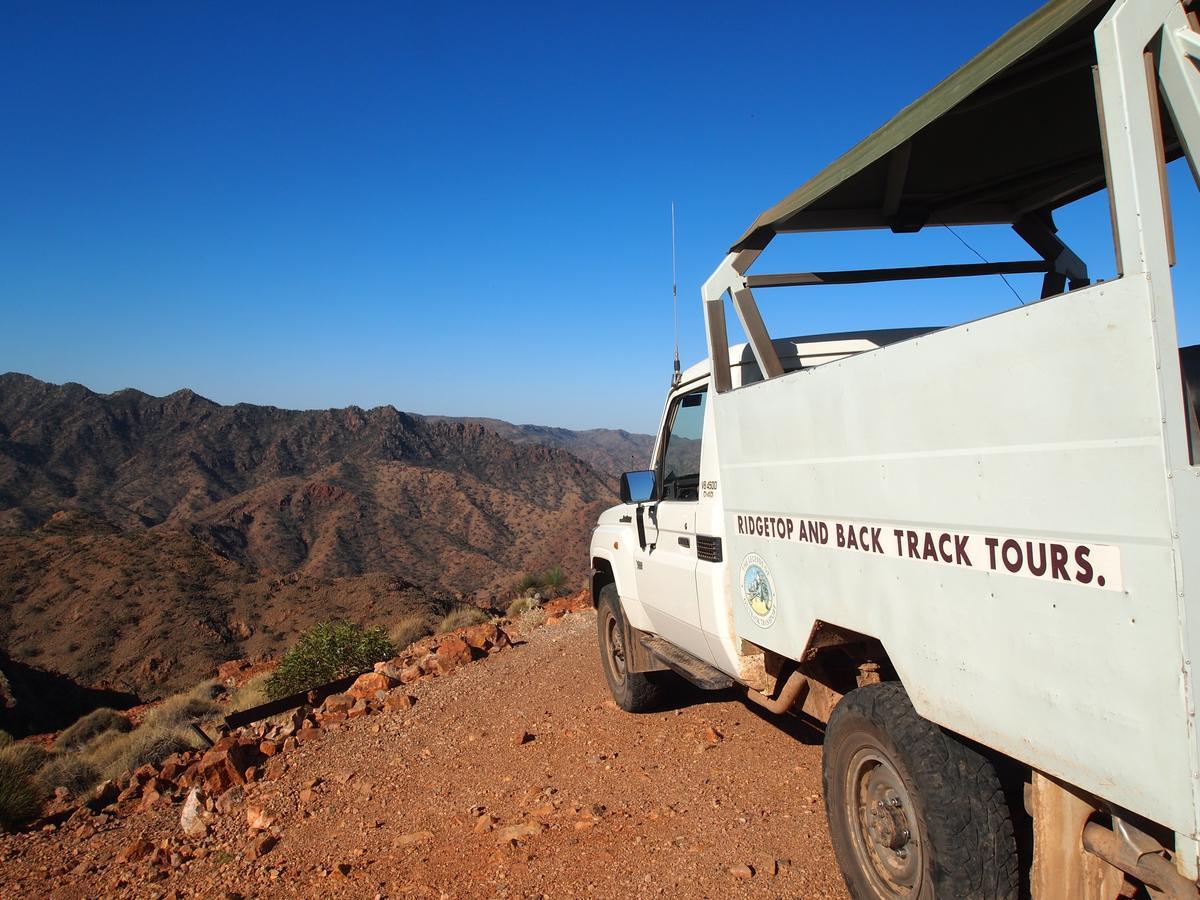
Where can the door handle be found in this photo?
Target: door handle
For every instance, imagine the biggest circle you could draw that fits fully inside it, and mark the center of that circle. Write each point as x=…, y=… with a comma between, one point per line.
x=685, y=542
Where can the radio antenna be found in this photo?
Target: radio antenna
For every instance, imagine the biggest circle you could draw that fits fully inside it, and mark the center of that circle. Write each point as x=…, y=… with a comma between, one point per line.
x=677, y=377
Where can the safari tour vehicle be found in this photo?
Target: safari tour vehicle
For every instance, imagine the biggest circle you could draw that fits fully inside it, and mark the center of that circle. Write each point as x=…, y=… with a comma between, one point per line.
x=970, y=553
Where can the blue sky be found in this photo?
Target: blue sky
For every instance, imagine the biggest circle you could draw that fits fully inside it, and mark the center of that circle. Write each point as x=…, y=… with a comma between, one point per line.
x=454, y=209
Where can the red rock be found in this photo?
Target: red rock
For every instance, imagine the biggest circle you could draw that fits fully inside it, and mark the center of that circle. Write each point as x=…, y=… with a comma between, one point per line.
x=139, y=849
x=358, y=710
x=365, y=686
x=225, y=765
x=263, y=846
x=392, y=668
x=523, y=737
x=170, y=771
x=336, y=703
x=330, y=718
x=268, y=748
x=481, y=636
x=562, y=605
x=454, y=651
x=289, y=744
x=142, y=774
x=397, y=700
x=306, y=734
x=274, y=768
x=410, y=674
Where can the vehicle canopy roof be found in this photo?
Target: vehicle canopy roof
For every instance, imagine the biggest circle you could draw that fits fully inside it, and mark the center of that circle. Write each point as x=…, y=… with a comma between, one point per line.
x=1012, y=132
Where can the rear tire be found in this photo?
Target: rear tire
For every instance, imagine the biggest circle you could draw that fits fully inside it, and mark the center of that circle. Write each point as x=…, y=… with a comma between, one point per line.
x=633, y=691
x=913, y=811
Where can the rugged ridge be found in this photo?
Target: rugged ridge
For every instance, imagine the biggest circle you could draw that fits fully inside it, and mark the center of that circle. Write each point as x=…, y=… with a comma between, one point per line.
x=141, y=537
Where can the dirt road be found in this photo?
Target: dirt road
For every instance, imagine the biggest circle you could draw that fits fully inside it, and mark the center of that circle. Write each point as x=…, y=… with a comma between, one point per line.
x=514, y=777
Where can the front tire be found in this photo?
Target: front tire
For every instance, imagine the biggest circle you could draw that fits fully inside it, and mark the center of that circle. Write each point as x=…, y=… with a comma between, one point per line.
x=913, y=812
x=633, y=691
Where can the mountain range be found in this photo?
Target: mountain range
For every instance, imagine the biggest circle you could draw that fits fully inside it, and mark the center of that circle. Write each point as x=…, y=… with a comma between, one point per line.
x=144, y=539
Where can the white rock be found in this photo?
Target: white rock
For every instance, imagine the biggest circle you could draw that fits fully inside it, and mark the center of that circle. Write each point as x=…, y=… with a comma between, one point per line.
x=190, y=819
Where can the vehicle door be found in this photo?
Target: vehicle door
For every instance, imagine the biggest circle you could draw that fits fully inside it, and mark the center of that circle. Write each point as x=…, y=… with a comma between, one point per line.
x=666, y=576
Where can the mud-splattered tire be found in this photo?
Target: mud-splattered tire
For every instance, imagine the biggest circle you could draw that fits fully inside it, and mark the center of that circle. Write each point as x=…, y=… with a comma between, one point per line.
x=633, y=691
x=913, y=811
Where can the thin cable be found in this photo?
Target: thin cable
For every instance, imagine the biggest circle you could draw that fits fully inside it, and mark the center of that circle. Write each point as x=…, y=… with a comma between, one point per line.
x=982, y=257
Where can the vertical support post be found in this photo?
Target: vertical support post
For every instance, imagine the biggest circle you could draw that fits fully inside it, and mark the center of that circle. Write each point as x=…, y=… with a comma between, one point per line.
x=756, y=332
x=1062, y=869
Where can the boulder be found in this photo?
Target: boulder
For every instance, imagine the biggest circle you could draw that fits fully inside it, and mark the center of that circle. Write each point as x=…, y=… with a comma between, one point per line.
x=454, y=651
x=337, y=703
x=365, y=686
x=410, y=674
x=225, y=764
x=480, y=637
x=190, y=819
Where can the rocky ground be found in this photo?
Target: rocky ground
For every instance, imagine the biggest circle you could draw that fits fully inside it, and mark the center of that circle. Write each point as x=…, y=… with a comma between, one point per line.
x=512, y=776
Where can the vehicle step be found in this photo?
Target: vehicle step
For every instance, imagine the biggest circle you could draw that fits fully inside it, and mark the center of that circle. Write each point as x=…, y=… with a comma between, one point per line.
x=697, y=671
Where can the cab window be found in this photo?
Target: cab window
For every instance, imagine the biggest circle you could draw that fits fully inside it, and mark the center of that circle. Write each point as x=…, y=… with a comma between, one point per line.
x=679, y=471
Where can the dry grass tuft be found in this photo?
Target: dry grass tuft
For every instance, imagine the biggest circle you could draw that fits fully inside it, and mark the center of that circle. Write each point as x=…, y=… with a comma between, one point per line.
x=181, y=710
x=73, y=771
x=88, y=727
x=19, y=800
x=412, y=628
x=24, y=757
x=462, y=617
x=252, y=693
x=149, y=743
x=521, y=605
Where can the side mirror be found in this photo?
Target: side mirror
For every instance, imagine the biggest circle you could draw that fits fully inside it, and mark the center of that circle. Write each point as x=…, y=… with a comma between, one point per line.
x=637, y=487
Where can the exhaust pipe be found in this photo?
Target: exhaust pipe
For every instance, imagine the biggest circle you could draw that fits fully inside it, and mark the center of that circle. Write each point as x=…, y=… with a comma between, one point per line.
x=793, y=690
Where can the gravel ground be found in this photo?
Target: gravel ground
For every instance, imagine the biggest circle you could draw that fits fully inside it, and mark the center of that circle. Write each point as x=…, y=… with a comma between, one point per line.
x=515, y=776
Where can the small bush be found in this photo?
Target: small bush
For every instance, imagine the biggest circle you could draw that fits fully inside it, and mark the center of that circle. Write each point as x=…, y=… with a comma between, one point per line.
x=461, y=618
x=520, y=605
x=180, y=711
x=555, y=578
x=148, y=743
x=24, y=757
x=327, y=652
x=529, y=581
x=411, y=629
x=85, y=729
x=19, y=800
x=70, y=770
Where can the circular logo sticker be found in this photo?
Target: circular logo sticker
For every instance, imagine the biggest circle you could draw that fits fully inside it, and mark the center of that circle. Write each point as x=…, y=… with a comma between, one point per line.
x=758, y=590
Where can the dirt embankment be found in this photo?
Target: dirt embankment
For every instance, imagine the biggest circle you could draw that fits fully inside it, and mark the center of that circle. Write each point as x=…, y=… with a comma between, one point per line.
x=515, y=776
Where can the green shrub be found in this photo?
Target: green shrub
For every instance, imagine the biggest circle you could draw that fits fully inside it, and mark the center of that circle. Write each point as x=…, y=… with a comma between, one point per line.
x=19, y=800
x=85, y=729
x=24, y=757
x=461, y=618
x=529, y=580
x=180, y=710
x=412, y=628
x=70, y=770
x=554, y=578
x=520, y=605
x=149, y=743
x=327, y=652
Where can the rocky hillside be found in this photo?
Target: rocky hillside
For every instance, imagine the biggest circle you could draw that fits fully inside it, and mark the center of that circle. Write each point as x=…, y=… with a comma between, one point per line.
x=610, y=450
x=144, y=538
x=489, y=771
x=330, y=492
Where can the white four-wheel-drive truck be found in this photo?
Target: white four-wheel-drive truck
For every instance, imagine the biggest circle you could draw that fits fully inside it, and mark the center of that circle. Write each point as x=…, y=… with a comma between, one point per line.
x=971, y=553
